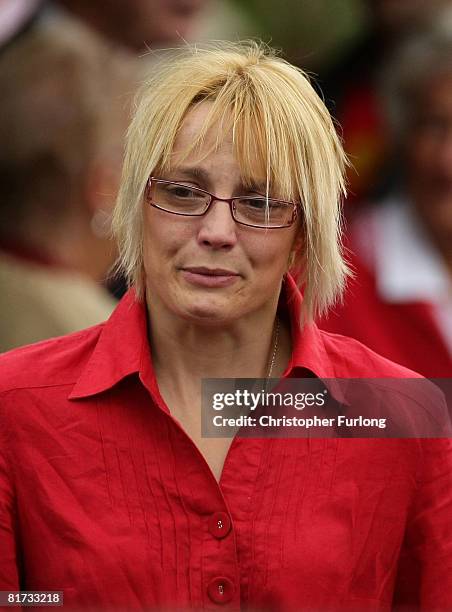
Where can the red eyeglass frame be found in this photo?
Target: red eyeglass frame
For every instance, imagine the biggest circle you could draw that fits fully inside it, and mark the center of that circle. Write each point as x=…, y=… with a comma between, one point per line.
x=213, y=198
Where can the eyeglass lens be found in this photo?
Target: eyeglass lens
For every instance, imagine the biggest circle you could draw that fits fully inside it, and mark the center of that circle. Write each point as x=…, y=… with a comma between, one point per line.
x=256, y=211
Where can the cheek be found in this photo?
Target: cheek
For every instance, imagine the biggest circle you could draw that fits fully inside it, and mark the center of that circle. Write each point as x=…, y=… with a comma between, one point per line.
x=272, y=255
x=163, y=239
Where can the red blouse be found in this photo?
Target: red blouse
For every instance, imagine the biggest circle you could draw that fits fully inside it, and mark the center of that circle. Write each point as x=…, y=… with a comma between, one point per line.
x=104, y=496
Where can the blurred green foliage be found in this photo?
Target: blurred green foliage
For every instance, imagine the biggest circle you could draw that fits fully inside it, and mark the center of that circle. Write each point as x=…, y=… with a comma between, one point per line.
x=311, y=32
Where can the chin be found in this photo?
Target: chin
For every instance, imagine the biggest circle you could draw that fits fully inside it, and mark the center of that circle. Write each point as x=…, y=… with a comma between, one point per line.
x=207, y=313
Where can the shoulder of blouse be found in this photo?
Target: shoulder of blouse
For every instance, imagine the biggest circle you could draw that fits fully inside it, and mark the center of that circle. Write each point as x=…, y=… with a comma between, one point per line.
x=54, y=362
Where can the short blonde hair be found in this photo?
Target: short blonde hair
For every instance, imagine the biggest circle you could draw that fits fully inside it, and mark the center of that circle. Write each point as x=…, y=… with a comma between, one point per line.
x=277, y=120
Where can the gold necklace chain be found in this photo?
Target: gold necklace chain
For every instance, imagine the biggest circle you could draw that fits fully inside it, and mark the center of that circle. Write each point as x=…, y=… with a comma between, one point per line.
x=275, y=348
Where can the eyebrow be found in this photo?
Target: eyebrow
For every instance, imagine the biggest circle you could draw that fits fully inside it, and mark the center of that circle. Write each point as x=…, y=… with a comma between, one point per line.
x=195, y=173
x=204, y=176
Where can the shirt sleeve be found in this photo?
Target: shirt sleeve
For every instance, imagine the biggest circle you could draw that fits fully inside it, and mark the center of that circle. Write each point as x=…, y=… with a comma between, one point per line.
x=9, y=574
x=424, y=579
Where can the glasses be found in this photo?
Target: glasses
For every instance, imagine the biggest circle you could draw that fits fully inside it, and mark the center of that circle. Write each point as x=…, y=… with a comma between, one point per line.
x=254, y=211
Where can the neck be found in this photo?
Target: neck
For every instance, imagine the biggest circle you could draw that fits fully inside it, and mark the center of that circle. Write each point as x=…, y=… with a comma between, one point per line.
x=185, y=352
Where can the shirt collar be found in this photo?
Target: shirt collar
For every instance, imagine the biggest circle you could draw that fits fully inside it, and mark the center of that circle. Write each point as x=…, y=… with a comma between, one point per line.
x=122, y=350
x=309, y=355
x=123, y=347
x=308, y=349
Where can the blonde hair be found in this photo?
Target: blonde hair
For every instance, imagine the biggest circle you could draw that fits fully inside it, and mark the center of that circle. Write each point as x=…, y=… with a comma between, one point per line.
x=277, y=121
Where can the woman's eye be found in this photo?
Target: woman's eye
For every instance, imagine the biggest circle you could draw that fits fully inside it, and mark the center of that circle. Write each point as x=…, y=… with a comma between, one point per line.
x=256, y=203
x=182, y=192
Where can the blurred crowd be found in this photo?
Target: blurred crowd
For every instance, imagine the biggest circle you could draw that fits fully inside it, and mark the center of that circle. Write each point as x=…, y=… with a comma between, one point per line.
x=68, y=73
x=393, y=97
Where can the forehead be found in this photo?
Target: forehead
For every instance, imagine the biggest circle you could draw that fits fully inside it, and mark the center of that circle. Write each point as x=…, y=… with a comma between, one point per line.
x=195, y=130
x=211, y=143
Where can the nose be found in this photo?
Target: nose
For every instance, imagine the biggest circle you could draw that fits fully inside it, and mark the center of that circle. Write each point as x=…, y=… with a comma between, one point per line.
x=217, y=229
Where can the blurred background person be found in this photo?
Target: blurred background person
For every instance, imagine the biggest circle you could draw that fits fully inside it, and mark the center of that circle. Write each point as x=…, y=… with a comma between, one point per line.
x=350, y=87
x=135, y=25
x=63, y=112
x=400, y=303
x=138, y=24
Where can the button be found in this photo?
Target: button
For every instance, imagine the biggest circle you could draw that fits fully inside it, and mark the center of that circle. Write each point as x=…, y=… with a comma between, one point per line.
x=219, y=525
x=220, y=590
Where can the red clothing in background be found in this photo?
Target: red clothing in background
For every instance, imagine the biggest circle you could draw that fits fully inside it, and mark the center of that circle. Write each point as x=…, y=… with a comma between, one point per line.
x=400, y=325
x=350, y=90
x=404, y=332
x=104, y=496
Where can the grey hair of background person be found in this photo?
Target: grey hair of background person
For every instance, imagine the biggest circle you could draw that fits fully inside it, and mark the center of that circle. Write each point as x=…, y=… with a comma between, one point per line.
x=423, y=57
x=63, y=92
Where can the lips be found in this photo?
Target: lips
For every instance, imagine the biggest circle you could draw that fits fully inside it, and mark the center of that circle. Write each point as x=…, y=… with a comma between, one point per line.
x=212, y=278
x=211, y=271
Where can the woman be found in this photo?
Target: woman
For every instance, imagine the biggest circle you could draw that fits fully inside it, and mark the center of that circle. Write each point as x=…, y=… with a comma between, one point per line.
x=232, y=175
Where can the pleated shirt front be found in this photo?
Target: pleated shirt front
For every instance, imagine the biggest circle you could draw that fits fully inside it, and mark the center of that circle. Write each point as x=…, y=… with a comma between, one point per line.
x=105, y=497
